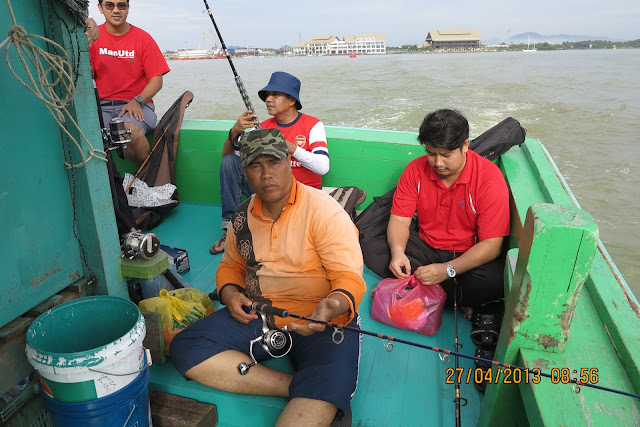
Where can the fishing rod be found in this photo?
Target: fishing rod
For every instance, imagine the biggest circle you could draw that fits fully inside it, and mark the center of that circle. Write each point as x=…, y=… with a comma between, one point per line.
x=263, y=308
x=241, y=88
x=457, y=346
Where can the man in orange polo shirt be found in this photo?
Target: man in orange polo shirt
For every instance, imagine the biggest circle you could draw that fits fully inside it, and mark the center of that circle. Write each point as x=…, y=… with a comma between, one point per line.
x=462, y=202
x=289, y=246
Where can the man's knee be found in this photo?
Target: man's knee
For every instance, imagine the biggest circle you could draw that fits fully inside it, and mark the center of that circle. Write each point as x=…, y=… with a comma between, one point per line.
x=231, y=169
x=375, y=252
x=230, y=164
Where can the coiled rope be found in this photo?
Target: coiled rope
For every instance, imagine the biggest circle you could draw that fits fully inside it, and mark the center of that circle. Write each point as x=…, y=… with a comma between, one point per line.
x=61, y=72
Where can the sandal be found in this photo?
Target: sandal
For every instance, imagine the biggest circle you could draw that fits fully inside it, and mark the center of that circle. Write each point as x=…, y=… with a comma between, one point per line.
x=483, y=353
x=485, y=329
x=218, y=247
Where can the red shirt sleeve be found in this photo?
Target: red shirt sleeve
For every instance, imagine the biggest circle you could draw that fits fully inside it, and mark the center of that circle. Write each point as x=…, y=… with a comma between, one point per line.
x=405, y=198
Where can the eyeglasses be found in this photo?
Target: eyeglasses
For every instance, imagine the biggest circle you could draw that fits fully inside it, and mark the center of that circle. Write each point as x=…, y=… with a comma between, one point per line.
x=121, y=6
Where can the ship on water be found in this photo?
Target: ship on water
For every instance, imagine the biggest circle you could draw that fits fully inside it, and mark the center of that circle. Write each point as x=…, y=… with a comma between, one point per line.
x=190, y=54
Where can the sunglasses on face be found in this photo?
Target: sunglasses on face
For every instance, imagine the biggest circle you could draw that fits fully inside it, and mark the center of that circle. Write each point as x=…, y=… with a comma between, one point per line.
x=121, y=6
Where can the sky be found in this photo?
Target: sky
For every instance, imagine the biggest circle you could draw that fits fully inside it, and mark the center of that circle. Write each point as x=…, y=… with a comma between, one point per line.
x=180, y=24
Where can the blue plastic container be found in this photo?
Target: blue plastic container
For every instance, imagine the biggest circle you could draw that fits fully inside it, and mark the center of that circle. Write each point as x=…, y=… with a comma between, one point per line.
x=128, y=407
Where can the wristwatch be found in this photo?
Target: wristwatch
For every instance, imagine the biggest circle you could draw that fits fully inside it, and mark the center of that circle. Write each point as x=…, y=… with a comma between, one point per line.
x=139, y=100
x=451, y=272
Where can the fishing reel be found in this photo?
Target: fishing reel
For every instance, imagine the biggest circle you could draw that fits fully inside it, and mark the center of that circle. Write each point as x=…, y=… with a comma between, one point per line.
x=141, y=245
x=277, y=343
x=116, y=137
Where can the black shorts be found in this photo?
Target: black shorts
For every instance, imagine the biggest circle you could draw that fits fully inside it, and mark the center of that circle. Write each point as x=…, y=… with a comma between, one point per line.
x=324, y=370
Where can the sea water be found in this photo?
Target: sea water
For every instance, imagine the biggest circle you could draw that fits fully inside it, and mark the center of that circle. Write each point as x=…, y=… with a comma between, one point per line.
x=584, y=106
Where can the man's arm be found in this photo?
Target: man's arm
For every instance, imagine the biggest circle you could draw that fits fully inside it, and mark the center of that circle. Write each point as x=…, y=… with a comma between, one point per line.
x=316, y=160
x=234, y=300
x=91, y=30
x=397, y=238
x=329, y=308
x=480, y=253
x=150, y=90
x=245, y=121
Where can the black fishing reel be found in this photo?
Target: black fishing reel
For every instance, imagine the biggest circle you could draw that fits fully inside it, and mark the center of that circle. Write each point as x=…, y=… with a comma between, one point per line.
x=116, y=137
x=277, y=343
x=141, y=245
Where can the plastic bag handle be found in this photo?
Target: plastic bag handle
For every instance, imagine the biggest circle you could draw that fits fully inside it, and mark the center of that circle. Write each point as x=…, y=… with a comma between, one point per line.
x=176, y=305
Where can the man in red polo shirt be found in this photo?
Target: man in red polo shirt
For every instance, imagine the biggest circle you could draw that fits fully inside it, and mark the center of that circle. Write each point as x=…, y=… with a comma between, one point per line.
x=462, y=202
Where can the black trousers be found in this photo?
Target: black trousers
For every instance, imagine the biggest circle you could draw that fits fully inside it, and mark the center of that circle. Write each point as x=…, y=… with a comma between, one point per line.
x=481, y=285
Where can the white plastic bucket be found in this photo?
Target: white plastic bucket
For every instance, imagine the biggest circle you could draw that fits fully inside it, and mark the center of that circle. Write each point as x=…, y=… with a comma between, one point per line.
x=87, y=348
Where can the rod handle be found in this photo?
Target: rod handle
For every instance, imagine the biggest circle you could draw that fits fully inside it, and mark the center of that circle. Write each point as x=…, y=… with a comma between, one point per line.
x=263, y=307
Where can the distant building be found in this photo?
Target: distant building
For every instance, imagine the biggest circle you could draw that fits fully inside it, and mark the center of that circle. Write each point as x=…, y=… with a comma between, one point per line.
x=360, y=44
x=454, y=39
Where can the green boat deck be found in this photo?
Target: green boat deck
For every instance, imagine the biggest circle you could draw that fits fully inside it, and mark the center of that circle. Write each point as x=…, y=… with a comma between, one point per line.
x=405, y=387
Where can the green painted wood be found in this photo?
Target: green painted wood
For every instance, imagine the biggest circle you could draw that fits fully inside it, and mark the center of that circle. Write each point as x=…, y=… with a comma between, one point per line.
x=37, y=190
x=95, y=222
x=554, y=260
x=145, y=268
x=614, y=302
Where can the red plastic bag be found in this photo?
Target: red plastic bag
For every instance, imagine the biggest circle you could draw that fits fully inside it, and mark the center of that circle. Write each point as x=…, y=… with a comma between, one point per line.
x=408, y=304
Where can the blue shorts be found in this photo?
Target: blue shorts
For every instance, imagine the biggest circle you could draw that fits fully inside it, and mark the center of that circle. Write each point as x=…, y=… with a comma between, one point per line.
x=324, y=370
x=111, y=109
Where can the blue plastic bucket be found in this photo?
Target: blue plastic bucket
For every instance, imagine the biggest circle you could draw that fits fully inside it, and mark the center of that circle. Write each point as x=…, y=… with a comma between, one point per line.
x=88, y=348
x=127, y=407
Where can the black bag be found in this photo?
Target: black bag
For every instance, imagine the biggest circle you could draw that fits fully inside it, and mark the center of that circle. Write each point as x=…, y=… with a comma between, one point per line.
x=499, y=139
x=373, y=221
x=349, y=198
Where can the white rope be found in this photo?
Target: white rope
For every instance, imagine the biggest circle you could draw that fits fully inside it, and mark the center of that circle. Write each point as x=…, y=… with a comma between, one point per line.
x=61, y=72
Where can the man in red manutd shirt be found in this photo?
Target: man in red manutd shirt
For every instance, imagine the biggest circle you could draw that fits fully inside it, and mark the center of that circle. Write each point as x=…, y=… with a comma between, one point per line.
x=306, y=141
x=127, y=67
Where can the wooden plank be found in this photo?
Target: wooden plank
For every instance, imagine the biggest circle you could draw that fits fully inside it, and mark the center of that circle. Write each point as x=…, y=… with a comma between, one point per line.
x=168, y=410
x=557, y=249
x=45, y=305
x=16, y=328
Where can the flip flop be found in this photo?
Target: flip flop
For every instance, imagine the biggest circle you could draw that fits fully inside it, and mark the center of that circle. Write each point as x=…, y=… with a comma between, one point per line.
x=218, y=247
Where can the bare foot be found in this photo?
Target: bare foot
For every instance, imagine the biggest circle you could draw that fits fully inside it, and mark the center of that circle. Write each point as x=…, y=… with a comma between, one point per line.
x=467, y=312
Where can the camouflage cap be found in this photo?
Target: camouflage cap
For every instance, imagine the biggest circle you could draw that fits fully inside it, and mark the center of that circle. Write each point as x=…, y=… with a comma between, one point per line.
x=262, y=141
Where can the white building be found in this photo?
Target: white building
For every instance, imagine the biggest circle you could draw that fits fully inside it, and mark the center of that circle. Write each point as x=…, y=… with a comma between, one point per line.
x=360, y=44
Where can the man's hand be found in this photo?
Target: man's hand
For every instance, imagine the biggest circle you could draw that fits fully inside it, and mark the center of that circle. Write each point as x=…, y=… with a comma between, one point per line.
x=234, y=300
x=327, y=309
x=245, y=121
x=134, y=109
x=91, y=30
x=432, y=274
x=400, y=266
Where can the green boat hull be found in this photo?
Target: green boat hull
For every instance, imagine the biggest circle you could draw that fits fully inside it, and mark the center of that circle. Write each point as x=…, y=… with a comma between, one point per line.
x=567, y=306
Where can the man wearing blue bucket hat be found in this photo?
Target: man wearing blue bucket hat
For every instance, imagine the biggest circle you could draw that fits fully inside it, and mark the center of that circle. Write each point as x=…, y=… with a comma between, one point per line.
x=306, y=142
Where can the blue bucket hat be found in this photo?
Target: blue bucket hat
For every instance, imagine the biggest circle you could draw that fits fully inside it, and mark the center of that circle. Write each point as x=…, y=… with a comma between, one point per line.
x=285, y=83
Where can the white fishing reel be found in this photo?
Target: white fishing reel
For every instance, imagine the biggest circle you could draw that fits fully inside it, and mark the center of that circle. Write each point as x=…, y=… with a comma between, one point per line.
x=116, y=137
x=141, y=245
x=277, y=343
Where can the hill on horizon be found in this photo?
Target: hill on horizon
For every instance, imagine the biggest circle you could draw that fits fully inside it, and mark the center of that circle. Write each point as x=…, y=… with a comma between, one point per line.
x=541, y=38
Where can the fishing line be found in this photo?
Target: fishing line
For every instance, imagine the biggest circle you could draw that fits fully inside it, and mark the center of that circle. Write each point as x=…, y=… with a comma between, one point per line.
x=241, y=88
x=266, y=309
